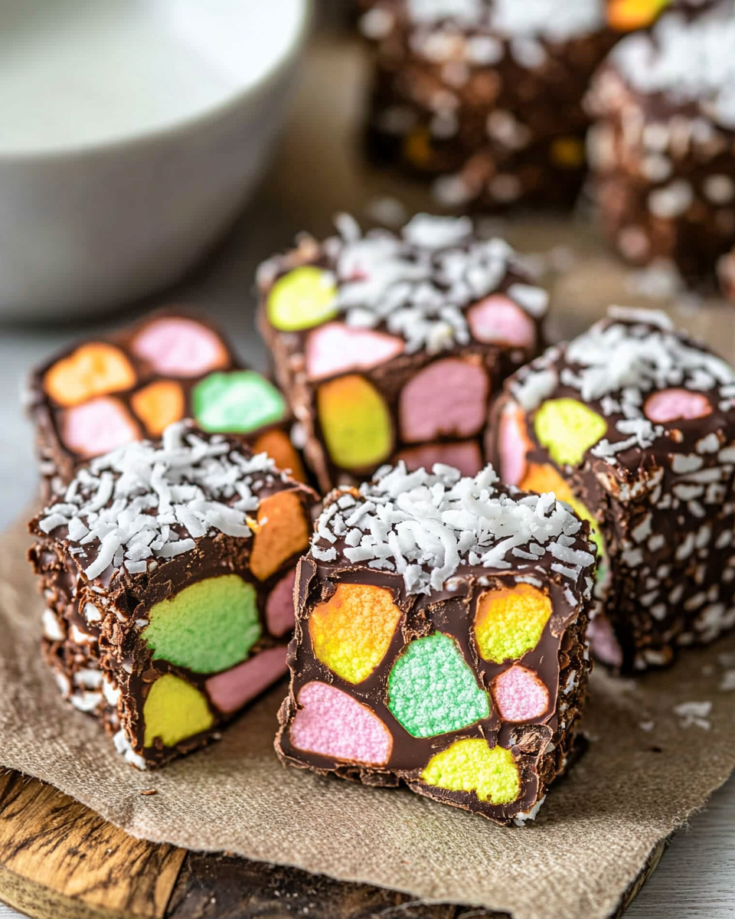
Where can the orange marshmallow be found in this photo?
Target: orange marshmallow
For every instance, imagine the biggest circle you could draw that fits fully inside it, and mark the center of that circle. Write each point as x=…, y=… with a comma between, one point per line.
x=158, y=405
x=278, y=446
x=352, y=630
x=92, y=370
x=282, y=531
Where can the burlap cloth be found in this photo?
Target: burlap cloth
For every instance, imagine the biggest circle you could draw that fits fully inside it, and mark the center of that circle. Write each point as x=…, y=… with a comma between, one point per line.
x=631, y=789
x=647, y=768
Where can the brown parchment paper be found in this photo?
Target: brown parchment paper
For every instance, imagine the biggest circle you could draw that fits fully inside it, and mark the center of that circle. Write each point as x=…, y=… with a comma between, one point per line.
x=631, y=789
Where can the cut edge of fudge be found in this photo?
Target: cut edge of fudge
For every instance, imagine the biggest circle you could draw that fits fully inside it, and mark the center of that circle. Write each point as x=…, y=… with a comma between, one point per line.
x=462, y=93
x=440, y=622
x=167, y=572
x=110, y=389
x=661, y=145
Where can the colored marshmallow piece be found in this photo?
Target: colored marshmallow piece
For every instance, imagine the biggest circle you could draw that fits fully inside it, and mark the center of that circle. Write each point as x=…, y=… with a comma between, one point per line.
x=352, y=630
x=630, y=15
x=158, y=405
x=92, y=370
x=97, y=427
x=498, y=320
x=331, y=723
x=432, y=690
x=179, y=347
x=335, y=348
x=230, y=690
x=675, y=405
x=278, y=446
x=545, y=478
x=282, y=531
x=603, y=642
x=520, y=695
x=173, y=711
x=513, y=444
x=302, y=299
x=509, y=621
x=568, y=428
x=355, y=422
x=463, y=456
x=447, y=398
x=470, y=765
x=237, y=402
x=279, y=607
x=207, y=627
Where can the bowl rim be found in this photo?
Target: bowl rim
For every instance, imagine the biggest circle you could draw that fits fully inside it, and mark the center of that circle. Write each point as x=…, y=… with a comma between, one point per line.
x=184, y=125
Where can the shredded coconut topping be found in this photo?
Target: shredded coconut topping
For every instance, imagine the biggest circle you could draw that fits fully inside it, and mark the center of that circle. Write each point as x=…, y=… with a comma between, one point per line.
x=425, y=525
x=558, y=20
x=618, y=356
x=690, y=60
x=420, y=283
x=615, y=364
x=143, y=502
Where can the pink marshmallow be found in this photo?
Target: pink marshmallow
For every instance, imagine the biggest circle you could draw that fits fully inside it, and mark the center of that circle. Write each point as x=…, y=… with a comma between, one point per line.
x=498, y=320
x=464, y=456
x=513, y=445
x=447, y=398
x=674, y=404
x=98, y=426
x=279, y=608
x=520, y=695
x=334, y=348
x=179, y=347
x=333, y=724
x=603, y=642
x=230, y=690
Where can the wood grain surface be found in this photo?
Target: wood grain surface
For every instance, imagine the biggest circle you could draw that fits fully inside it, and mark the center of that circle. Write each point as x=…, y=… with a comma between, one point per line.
x=59, y=860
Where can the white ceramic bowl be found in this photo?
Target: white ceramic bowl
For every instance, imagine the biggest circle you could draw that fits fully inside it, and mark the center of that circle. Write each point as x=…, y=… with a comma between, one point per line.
x=131, y=134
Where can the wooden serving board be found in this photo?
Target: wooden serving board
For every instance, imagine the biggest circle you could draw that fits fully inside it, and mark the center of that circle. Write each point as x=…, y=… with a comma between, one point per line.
x=60, y=860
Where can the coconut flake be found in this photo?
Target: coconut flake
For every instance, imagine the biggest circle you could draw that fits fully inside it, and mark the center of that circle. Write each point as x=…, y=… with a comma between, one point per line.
x=426, y=525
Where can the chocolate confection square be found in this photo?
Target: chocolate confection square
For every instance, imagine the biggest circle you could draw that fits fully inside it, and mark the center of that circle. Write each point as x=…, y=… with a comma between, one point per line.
x=440, y=640
x=167, y=570
x=392, y=346
x=109, y=391
x=633, y=424
x=485, y=96
x=661, y=149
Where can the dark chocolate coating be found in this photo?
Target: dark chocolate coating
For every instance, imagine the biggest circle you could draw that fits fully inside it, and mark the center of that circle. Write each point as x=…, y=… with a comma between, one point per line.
x=642, y=145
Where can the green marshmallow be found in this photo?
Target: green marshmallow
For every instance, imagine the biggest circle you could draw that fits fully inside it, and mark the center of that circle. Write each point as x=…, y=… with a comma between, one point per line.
x=567, y=428
x=302, y=299
x=207, y=627
x=432, y=690
x=236, y=403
